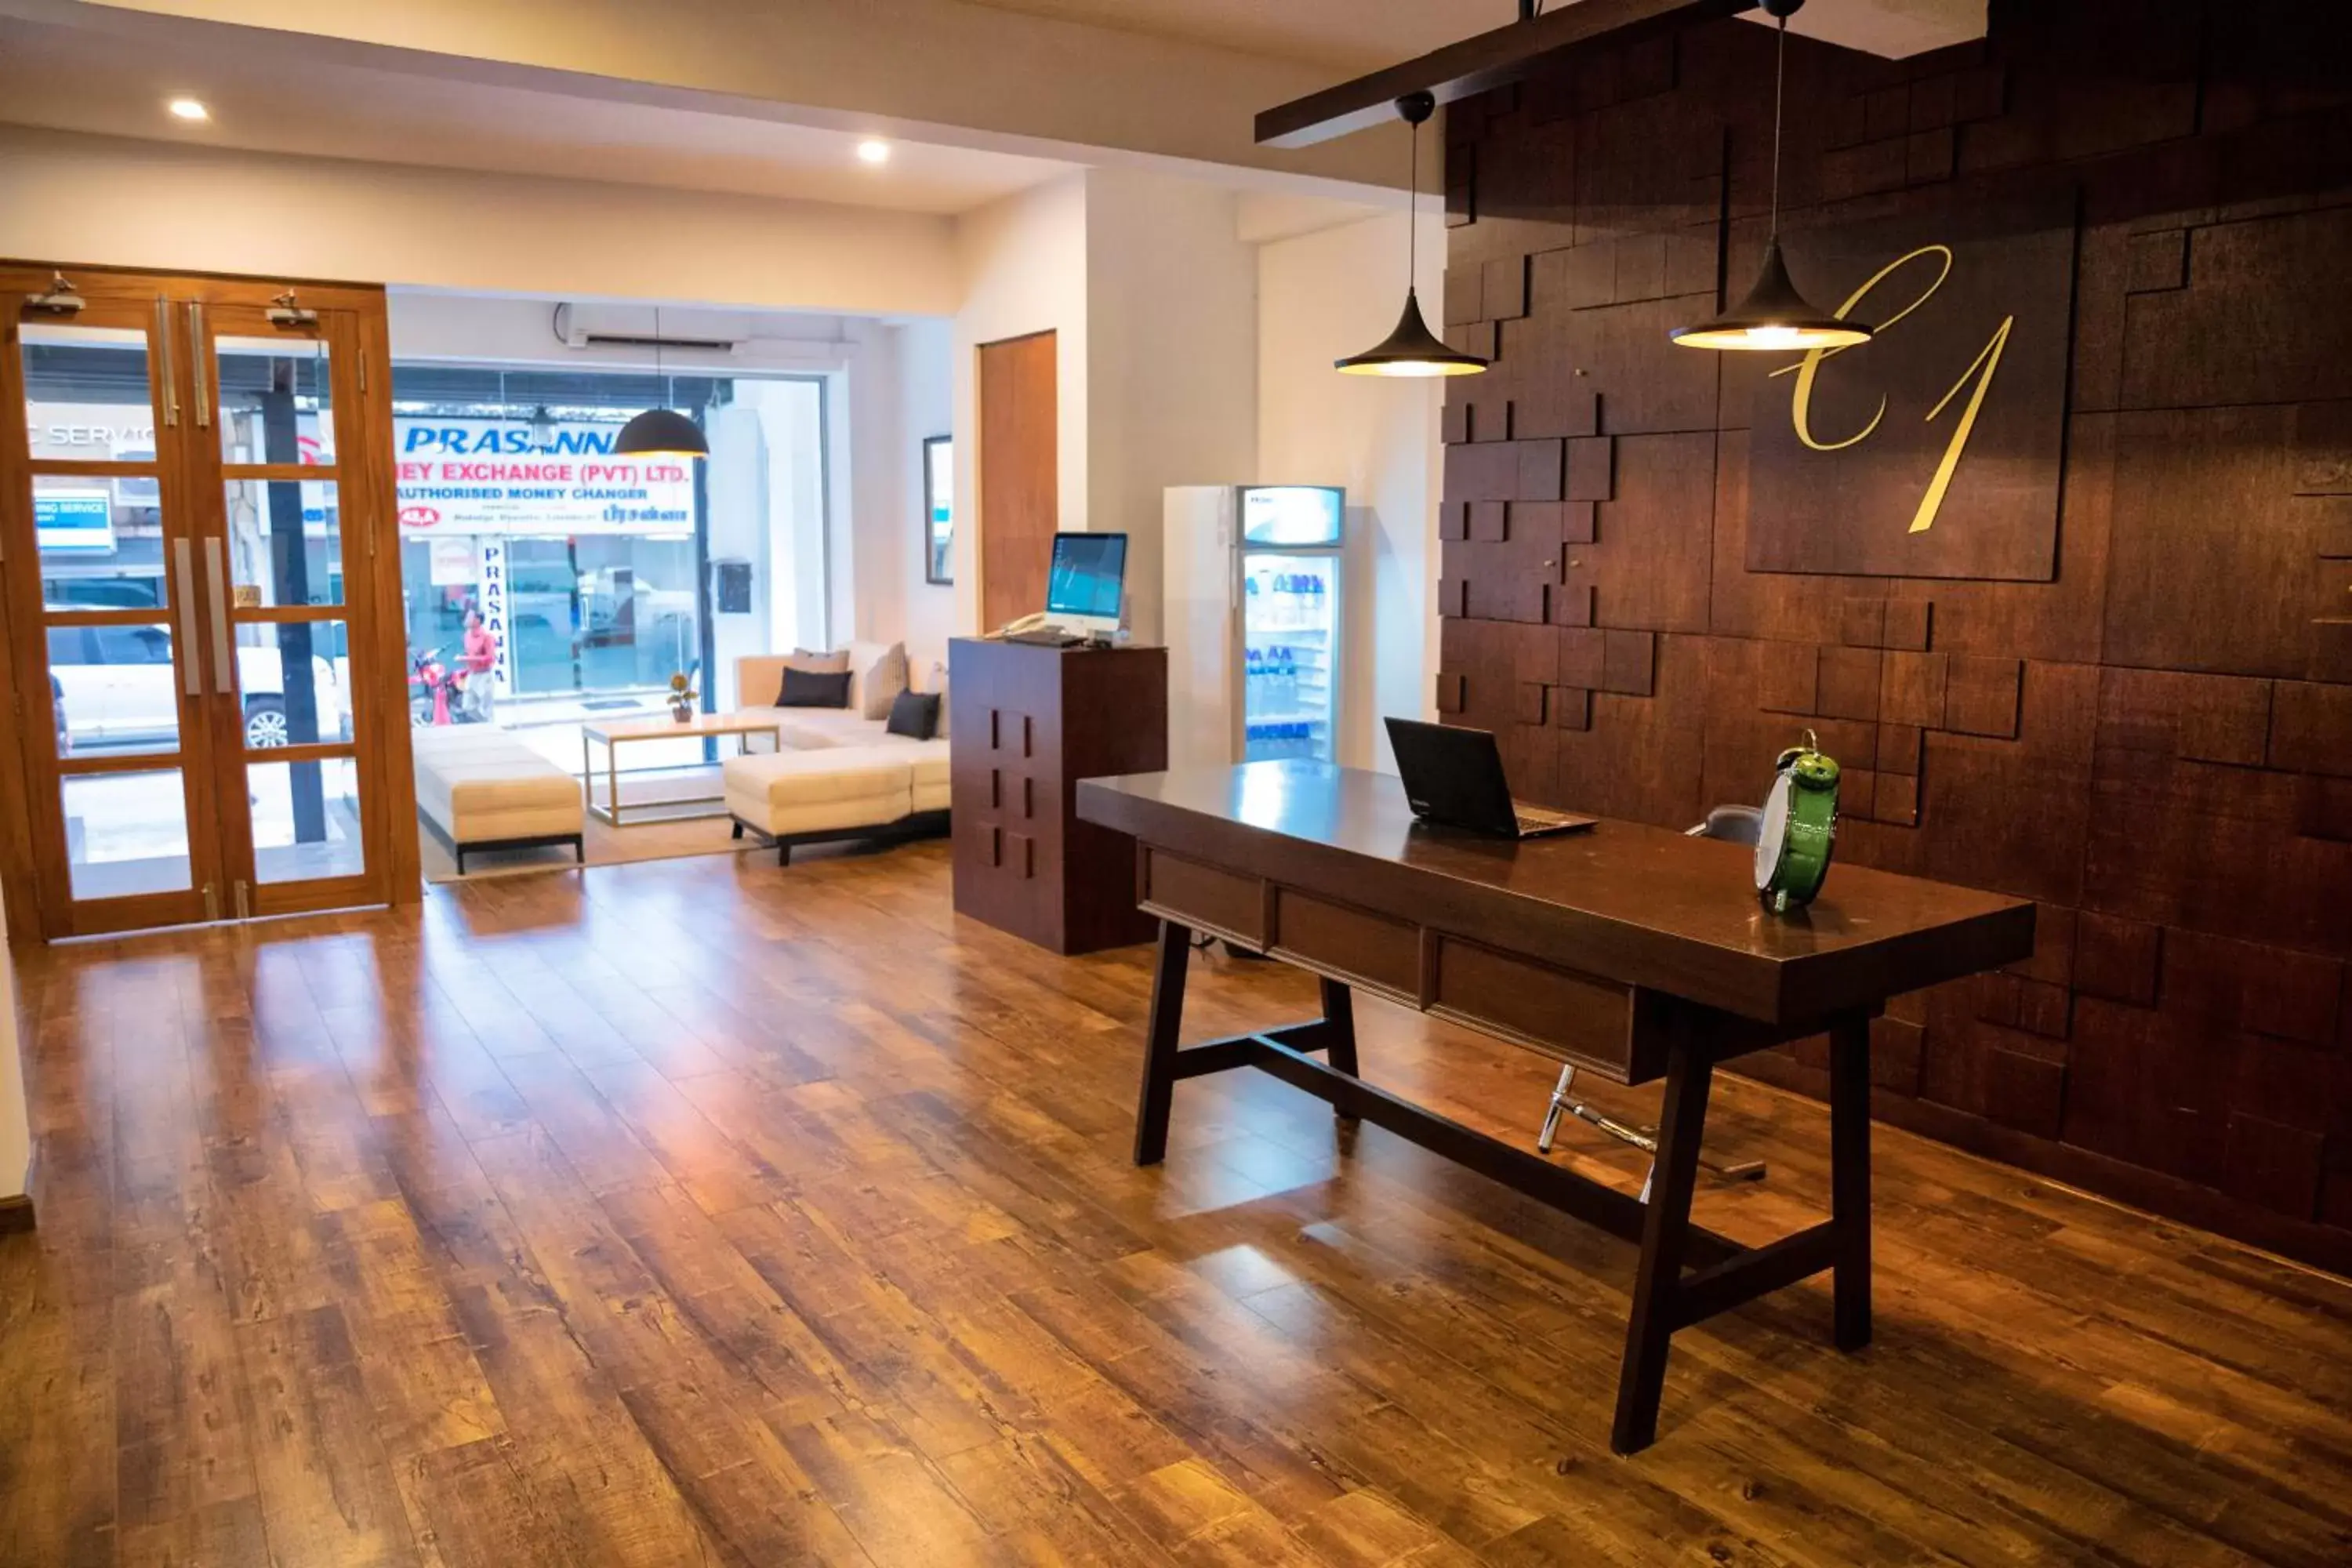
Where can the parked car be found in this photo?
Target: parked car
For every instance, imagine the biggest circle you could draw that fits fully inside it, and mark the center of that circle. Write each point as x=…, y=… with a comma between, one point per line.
x=115, y=685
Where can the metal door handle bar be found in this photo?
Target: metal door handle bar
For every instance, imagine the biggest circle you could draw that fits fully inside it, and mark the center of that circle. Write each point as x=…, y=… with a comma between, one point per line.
x=1643, y=1138
x=164, y=349
x=216, y=568
x=199, y=363
x=192, y=652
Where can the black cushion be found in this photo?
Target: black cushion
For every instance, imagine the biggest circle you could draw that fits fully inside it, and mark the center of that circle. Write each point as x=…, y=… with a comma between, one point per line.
x=915, y=714
x=804, y=689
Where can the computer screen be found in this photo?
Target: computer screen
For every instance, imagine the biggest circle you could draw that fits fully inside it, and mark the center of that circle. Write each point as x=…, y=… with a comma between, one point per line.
x=1086, y=575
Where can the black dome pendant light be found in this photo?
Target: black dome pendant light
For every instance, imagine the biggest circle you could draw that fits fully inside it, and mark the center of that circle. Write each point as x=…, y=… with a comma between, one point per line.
x=1412, y=349
x=661, y=432
x=1774, y=316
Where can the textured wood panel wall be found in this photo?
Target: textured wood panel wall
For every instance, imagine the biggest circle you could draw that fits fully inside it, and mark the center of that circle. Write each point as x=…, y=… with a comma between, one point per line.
x=2155, y=744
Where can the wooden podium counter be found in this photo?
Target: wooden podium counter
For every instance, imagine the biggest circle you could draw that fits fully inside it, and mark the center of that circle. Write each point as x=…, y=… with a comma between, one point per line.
x=1025, y=724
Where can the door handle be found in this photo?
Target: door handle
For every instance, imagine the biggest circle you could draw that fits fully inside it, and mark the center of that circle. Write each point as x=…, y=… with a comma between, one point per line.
x=192, y=652
x=216, y=568
x=197, y=348
x=163, y=349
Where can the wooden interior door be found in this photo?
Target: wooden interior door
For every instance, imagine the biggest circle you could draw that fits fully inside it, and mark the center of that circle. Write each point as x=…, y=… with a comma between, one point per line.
x=98, y=532
x=191, y=486
x=1018, y=476
x=288, y=497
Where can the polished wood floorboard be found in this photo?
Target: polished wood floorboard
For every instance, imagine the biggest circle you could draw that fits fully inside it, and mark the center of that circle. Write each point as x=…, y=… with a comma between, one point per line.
x=705, y=1212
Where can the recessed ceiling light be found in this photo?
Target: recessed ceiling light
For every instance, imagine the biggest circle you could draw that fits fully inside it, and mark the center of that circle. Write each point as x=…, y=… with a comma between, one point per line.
x=189, y=109
x=874, y=152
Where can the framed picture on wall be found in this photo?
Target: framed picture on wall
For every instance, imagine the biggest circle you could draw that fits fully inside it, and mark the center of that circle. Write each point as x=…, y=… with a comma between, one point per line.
x=938, y=509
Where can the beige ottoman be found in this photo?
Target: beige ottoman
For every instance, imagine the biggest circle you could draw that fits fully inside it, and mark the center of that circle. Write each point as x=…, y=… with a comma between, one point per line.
x=803, y=797
x=480, y=788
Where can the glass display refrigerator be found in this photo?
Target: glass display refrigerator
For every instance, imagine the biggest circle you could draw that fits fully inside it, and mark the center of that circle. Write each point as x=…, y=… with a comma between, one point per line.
x=1254, y=589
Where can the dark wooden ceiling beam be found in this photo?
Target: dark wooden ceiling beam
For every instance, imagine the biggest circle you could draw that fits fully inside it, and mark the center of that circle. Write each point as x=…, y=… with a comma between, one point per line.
x=1474, y=65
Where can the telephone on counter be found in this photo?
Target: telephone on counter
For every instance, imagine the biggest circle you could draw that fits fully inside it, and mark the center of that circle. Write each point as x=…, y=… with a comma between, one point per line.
x=1037, y=630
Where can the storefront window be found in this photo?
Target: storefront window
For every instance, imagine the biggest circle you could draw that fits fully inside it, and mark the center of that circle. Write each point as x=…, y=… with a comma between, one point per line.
x=590, y=571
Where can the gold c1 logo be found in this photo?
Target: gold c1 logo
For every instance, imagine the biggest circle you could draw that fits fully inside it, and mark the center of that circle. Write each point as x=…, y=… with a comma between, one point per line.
x=1988, y=361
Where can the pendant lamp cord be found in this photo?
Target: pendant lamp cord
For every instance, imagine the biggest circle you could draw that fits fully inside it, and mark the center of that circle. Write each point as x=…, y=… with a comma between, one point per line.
x=670, y=402
x=1412, y=215
x=1780, y=91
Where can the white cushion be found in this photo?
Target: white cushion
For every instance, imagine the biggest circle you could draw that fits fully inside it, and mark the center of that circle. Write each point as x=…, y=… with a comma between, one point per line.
x=785, y=792
x=877, y=673
x=835, y=773
x=810, y=728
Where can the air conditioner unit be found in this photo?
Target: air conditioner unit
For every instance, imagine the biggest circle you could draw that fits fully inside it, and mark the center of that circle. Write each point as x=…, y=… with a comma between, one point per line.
x=580, y=327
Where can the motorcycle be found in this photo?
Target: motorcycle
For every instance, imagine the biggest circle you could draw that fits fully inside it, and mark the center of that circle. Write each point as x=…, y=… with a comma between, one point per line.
x=434, y=690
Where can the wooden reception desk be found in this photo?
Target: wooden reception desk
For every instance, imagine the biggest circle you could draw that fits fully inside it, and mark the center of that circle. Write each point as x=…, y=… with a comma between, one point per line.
x=1027, y=723
x=1631, y=950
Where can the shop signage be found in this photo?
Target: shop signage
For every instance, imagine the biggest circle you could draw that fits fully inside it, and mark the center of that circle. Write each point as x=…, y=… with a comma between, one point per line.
x=491, y=576
x=452, y=562
x=74, y=520
x=488, y=475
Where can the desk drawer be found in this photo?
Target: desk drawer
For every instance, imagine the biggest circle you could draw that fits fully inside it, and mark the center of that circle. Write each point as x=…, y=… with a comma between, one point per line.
x=1555, y=1011
x=1364, y=949
x=1204, y=898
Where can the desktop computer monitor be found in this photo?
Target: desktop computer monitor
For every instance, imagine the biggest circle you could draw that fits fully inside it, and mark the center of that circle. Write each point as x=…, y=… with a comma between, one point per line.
x=1084, y=582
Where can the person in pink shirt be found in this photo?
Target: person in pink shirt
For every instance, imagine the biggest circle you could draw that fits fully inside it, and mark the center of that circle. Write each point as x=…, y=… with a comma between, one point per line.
x=480, y=653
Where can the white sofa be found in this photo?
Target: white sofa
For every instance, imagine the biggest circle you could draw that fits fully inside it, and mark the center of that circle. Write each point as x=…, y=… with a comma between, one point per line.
x=836, y=773
x=479, y=788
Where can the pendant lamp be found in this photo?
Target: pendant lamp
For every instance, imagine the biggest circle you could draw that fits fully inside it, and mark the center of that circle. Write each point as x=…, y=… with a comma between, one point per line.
x=1412, y=349
x=661, y=432
x=1774, y=316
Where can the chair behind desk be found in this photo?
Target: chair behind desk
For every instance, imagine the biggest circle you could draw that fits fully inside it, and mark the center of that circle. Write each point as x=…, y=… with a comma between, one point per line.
x=1734, y=825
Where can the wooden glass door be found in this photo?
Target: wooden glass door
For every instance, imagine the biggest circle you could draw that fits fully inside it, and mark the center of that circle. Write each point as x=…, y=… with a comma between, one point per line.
x=191, y=494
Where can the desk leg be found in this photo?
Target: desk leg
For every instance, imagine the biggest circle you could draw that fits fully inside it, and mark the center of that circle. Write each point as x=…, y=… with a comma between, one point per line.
x=1850, y=1177
x=1160, y=1044
x=1664, y=1230
x=1339, y=1030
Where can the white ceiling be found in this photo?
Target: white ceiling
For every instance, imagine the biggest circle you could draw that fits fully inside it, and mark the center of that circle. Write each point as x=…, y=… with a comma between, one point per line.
x=1349, y=36
x=1353, y=37
x=115, y=83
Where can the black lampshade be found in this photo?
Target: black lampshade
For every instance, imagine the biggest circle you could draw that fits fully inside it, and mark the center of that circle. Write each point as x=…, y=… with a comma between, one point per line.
x=661, y=432
x=1774, y=316
x=1412, y=349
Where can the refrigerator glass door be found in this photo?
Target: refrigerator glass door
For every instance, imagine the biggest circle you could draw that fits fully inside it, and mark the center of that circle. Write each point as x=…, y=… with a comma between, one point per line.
x=1290, y=647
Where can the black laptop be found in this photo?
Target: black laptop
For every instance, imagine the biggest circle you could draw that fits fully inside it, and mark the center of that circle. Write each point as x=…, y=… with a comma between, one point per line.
x=1455, y=776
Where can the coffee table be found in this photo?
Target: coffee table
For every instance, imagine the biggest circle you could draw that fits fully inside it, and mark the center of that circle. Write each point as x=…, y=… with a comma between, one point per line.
x=617, y=732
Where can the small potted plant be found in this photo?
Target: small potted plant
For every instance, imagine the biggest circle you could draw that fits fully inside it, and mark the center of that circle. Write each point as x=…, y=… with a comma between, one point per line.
x=681, y=698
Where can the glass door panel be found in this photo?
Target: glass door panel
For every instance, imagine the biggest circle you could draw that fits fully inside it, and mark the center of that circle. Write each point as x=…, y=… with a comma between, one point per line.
x=126, y=834
x=89, y=395
x=277, y=400
x=99, y=537
x=285, y=542
x=307, y=825
x=1289, y=641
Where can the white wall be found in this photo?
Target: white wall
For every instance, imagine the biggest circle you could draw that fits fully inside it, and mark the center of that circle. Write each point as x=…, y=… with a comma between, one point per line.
x=894, y=603
x=1322, y=296
x=108, y=201
x=1171, y=294
x=1022, y=266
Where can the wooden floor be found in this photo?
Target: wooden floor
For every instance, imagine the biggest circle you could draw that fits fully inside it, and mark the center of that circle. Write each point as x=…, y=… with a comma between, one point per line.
x=706, y=1212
